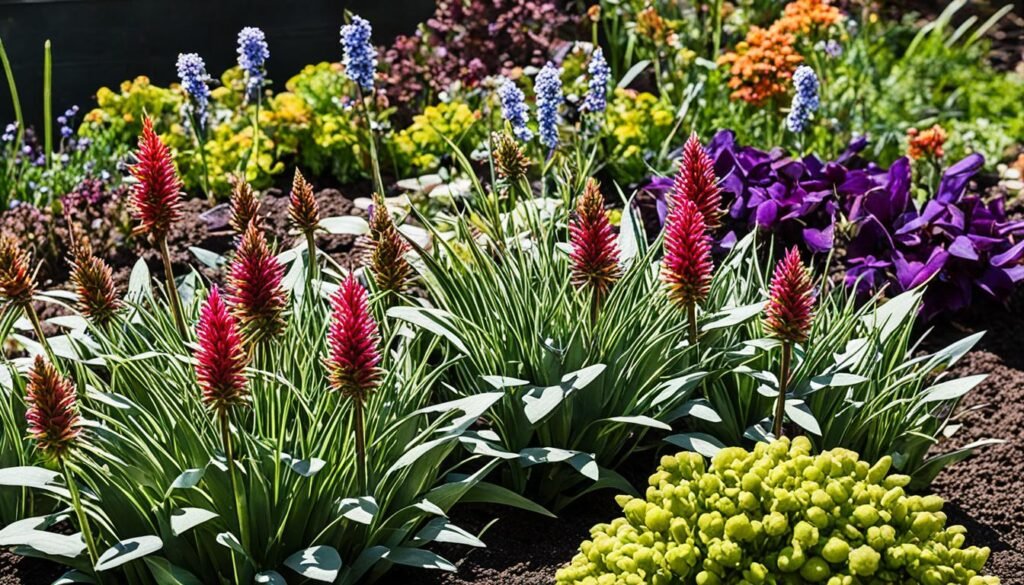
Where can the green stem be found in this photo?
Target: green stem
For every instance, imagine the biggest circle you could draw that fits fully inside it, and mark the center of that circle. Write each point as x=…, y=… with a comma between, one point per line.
x=311, y=257
x=378, y=182
x=15, y=101
x=357, y=415
x=172, y=291
x=37, y=326
x=780, y=401
x=691, y=313
x=48, y=103
x=717, y=33
x=240, y=507
x=83, y=521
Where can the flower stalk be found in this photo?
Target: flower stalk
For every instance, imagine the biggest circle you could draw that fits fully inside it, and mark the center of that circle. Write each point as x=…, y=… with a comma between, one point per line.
x=788, y=318
x=304, y=212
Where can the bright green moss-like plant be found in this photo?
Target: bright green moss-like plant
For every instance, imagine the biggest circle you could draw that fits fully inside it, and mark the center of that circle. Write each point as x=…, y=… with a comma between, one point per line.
x=777, y=515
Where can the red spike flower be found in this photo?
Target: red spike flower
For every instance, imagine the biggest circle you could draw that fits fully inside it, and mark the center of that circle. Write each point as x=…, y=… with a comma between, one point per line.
x=16, y=282
x=94, y=284
x=156, y=196
x=303, y=208
x=220, y=358
x=696, y=181
x=595, y=251
x=52, y=415
x=353, y=354
x=687, y=266
x=254, y=285
x=391, y=271
x=791, y=300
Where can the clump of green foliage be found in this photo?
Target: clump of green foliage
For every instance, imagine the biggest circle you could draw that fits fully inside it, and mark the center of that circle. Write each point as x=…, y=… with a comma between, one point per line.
x=777, y=514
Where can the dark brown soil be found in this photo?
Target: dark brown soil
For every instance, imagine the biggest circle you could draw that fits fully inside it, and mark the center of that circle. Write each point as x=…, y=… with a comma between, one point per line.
x=15, y=570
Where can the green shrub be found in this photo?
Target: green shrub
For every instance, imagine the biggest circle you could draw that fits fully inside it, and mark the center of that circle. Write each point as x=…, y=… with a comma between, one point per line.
x=777, y=515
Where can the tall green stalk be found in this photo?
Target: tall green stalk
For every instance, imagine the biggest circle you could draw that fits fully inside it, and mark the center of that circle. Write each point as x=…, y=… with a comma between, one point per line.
x=83, y=520
x=172, y=291
x=780, y=401
x=48, y=103
x=15, y=100
x=378, y=182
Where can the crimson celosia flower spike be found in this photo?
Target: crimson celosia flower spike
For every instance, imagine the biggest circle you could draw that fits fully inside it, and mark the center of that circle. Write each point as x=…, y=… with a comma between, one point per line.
x=156, y=196
x=595, y=250
x=220, y=358
x=303, y=208
x=791, y=300
x=16, y=283
x=696, y=181
x=391, y=271
x=686, y=268
x=254, y=285
x=353, y=354
x=52, y=415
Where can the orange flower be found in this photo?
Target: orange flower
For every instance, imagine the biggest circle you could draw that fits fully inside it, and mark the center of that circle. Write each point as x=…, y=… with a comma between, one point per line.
x=926, y=144
x=762, y=65
x=650, y=24
x=805, y=16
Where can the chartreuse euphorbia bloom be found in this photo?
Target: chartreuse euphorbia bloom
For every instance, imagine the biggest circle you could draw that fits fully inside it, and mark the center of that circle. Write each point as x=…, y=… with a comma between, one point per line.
x=777, y=515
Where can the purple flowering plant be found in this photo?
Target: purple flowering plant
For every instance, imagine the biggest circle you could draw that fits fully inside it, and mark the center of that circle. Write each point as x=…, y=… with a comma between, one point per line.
x=956, y=242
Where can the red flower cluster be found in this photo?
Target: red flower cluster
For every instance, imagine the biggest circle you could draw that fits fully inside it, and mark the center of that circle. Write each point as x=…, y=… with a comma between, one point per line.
x=156, y=197
x=595, y=252
x=303, y=209
x=697, y=182
x=687, y=266
x=94, y=285
x=16, y=282
x=391, y=271
x=791, y=300
x=52, y=415
x=254, y=287
x=220, y=359
x=926, y=144
x=352, y=341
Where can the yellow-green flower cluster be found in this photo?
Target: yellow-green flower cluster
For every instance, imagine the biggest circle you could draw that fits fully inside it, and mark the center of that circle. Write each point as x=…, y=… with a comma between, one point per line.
x=637, y=125
x=420, y=146
x=777, y=515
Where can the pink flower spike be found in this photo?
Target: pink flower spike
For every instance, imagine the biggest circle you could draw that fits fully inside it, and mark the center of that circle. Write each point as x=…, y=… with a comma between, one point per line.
x=790, y=307
x=156, y=196
x=687, y=267
x=254, y=287
x=595, y=251
x=220, y=359
x=353, y=354
x=697, y=182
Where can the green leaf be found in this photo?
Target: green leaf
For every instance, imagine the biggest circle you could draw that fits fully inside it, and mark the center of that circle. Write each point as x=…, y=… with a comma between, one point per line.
x=435, y=321
x=139, y=283
x=75, y=577
x=923, y=475
x=185, y=519
x=31, y=533
x=733, y=316
x=416, y=557
x=345, y=225
x=702, y=443
x=128, y=550
x=678, y=387
x=952, y=389
x=166, y=573
x=231, y=541
x=320, y=563
x=361, y=510
x=208, y=258
x=635, y=70
x=304, y=467
x=189, y=478
x=798, y=412
x=640, y=420
x=270, y=577
x=489, y=493
x=581, y=462
x=33, y=477
x=836, y=380
x=441, y=530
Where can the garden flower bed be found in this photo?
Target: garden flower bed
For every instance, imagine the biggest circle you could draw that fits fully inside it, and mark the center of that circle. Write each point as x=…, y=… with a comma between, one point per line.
x=547, y=292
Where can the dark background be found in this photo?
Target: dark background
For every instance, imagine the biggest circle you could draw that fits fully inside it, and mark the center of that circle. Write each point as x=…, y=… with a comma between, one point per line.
x=99, y=43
